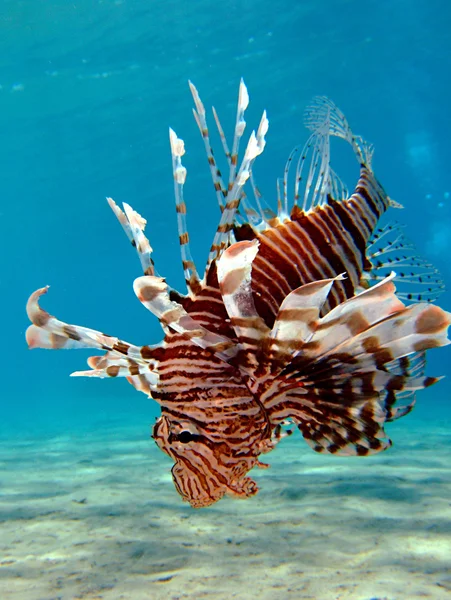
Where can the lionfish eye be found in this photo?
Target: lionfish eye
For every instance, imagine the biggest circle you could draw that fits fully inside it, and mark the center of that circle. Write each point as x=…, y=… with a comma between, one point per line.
x=184, y=437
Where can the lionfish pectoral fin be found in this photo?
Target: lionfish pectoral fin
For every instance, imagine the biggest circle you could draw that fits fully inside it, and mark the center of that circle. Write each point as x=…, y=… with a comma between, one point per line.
x=399, y=334
x=48, y=332
x=364, y=356
x=357, y=314
x=121, y=358
x=396, y=412
x=297, y=317
x=235, y=278
x=374, y=332
x=347, y=429
x=153, y=294
x=143, y=377
x=413, y=365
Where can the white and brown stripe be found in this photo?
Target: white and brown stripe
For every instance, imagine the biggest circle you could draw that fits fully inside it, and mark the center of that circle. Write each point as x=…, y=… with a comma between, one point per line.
x=278, y=331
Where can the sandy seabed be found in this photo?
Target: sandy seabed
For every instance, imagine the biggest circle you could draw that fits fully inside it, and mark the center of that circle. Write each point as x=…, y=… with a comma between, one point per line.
x=96, y=515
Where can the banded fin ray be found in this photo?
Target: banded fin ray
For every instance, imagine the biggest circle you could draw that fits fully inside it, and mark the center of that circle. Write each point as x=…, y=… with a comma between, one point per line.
x=324, y=235
x=245, y=212
x=344, y=382
x=338, y=345
x=322, y=109
x=297, y=318
x=254, y=147
x=133, y=225
x=417, y=280
x=179, y=173
x=238, y=176
x=235, y=277
x=201, y=121
x=121, y=358
x=413, y=365
x=152, y=292
x=318, y=183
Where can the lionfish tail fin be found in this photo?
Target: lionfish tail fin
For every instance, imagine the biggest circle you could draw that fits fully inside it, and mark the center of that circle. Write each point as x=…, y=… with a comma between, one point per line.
x=362, y=358
x=120, y=360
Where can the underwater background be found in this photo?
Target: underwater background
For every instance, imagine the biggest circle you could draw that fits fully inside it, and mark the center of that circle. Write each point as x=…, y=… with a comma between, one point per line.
x=88, y=90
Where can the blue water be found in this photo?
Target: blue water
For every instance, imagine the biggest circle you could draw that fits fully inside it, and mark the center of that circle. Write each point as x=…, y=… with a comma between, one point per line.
x=87, y=93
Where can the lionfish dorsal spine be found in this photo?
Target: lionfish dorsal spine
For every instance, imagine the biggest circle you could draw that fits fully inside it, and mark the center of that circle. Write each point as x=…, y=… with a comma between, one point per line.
x=253, y=216
x=201, y=121
x=255, y=146
x=229, y=199
x=134, y=225
x=240, y=126
x=179, y=172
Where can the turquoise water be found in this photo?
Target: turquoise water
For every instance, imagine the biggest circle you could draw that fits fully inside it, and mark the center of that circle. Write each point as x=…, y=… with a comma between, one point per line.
x=87, y=93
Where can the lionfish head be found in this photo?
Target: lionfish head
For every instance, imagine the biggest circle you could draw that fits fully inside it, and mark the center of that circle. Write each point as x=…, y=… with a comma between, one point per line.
x=205, y=469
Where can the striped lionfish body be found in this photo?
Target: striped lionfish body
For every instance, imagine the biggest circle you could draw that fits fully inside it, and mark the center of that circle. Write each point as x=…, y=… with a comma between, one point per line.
x=295, y=322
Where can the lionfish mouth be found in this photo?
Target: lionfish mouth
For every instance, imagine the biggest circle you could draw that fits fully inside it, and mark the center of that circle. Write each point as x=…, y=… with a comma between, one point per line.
x=295, y=321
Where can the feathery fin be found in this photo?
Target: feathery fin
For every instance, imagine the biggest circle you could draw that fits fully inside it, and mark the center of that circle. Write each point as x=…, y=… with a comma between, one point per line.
x=362, y=358
x=417, y=280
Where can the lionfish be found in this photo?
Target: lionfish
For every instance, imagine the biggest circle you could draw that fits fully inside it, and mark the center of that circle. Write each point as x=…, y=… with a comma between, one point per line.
x=294, y=323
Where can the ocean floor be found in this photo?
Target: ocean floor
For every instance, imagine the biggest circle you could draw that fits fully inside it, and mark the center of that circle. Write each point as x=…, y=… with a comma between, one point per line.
x=95, y=515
